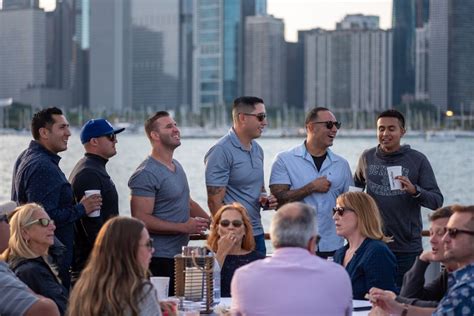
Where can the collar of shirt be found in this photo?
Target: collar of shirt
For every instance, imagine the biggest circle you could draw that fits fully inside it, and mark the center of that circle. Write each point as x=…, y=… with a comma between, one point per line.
x=302, y=151
x=98, y=158
x=36, y=146
x=236, y=141
x=465, y=274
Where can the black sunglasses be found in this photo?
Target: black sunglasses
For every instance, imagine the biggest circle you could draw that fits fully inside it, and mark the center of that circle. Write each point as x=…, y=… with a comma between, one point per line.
x=236, y=223
x=340, y=210
x=260, y=116
x=330, y=124
x=111, y=137
x=4, y=218
x=42, y=221
x=452, y=232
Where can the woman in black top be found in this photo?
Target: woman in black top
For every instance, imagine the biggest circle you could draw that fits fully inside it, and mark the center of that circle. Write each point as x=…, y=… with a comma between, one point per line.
x=232, y=241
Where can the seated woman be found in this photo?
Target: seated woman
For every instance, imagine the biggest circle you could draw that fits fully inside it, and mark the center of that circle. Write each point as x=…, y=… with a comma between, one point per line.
x=114, y=279
x=232, y=241
x=31, y=235
x=366, y=257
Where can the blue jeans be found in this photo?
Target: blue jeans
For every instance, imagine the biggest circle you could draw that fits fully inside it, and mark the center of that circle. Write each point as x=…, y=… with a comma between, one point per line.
x=405, y=261
x=260, y=244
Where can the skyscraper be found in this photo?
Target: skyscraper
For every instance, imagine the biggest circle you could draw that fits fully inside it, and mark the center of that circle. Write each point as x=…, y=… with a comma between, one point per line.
x=265, y=56
x=451, y=65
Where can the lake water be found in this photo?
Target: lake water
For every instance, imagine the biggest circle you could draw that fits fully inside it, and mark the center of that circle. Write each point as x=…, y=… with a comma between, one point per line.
x=453, y=162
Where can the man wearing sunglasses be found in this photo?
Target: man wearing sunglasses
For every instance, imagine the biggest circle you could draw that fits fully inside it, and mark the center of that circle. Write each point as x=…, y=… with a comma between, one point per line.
x=16, y=298
x=459, y=248
x=400, y=208
x=313, y=174
x=234, y=166
x=37, y=178
x=99, y=139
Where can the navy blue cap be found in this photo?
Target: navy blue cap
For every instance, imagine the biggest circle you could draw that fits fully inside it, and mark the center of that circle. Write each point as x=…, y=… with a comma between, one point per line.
x=97, y=128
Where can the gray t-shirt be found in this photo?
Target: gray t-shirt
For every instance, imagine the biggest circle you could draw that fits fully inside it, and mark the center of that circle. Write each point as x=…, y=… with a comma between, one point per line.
x=15, y=298
x=149, y=305
x=230, y=165
x=171, y=192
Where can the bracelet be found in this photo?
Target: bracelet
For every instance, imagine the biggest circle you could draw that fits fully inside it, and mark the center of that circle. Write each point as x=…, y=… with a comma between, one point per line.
x=405, y=310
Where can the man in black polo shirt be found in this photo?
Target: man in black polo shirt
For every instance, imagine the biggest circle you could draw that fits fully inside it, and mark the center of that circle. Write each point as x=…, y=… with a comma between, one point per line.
x=99, y=138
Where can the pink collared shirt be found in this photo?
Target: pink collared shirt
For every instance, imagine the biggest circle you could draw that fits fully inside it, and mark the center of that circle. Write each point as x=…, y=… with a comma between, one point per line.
x=292, y=282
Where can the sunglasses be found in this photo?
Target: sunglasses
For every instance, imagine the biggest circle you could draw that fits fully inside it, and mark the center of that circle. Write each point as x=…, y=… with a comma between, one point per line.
x=42, y=221
x=330, y=124
x=149, y=244
x=111, y=137
x=318, y=238
x=452, y=232
x=260, y=116
x=236, y=223
x=4, y=218
x=340, y=210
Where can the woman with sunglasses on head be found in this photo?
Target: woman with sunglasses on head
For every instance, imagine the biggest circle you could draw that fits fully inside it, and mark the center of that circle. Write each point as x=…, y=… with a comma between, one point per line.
x=31, y=235
x=366, y=257
x=114, y=281
x=232, y=241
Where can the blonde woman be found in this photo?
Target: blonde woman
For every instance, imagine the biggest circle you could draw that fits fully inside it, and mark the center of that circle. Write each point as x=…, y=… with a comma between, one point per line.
x=31, y=235
x=366, y=257
x=114, y=279
x=231, y=239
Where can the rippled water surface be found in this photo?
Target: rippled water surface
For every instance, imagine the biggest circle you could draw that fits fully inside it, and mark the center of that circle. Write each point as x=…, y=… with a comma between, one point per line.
x=453, y=162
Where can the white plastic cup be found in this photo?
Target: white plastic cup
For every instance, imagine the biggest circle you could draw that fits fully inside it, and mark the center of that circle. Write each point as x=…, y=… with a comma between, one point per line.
x=355, y=189
x=161, y=285
x=88, y=193
x=393, y=172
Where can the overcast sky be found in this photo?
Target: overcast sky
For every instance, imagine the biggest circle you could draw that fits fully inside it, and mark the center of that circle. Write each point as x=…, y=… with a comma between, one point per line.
x=308, y=14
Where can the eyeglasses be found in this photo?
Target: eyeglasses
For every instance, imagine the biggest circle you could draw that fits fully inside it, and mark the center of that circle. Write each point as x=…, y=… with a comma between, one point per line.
x=111, y=137
x=4, y=218
x=149, y=244
x=42, y=221
x=260, y=116
x=340, y=210
x=236, y=223
x=330, y=124
x=452, y=232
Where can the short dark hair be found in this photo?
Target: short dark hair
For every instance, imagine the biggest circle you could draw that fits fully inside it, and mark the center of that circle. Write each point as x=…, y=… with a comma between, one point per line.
x=442, y=212
x=465, y=209
x=313, y=114
x=393, y=113
x=150, y=122
x=243, y=104
x=43, y=118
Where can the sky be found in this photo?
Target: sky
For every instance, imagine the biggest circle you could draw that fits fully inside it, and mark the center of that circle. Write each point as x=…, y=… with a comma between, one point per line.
x=308, y=14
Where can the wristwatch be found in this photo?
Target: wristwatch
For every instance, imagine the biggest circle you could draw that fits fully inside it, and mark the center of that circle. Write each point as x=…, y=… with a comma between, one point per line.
x=417, y=192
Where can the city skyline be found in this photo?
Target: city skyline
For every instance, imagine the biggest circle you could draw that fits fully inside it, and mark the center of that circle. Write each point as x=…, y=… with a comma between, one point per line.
x=309, y=14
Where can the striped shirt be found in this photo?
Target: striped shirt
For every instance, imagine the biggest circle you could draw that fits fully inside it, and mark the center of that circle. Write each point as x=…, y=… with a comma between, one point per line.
x=16, y=297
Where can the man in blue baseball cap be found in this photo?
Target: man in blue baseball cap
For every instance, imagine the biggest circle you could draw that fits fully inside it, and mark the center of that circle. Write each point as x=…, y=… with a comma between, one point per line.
x=99, y=138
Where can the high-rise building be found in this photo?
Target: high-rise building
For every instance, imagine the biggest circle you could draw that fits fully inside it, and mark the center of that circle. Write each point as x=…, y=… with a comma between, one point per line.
x=218, y=43
x=348, y=70
x=20, y=4
x=451, y=43
x=265, y=58
x=403, y=25
x=23, y=51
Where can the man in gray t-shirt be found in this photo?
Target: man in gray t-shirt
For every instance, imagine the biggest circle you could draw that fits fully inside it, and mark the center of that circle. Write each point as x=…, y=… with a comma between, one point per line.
x=160, y=197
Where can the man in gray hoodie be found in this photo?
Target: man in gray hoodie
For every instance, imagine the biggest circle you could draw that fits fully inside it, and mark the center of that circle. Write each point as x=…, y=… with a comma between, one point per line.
x=400, y=208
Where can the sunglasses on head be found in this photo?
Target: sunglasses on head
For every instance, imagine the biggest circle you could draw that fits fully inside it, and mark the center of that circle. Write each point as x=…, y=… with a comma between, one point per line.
x=330, y=124
x=235, y=223
x=111, y=137
x=453, y=232
x=42, y=221
x=260, y=116
x=340, y=210
x=4, y=218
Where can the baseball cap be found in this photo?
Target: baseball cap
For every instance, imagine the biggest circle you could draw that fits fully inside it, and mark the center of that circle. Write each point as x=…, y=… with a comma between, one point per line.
x=97, y=128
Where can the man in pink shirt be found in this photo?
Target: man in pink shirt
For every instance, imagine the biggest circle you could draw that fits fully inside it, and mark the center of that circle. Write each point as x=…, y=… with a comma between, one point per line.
x=293, y=281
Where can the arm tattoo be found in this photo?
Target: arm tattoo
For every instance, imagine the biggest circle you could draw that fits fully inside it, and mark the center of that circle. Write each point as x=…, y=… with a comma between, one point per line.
x=284, y=195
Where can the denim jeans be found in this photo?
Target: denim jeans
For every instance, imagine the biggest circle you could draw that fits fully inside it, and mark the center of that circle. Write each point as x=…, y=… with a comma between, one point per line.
x=405, y=261
x=260, y=244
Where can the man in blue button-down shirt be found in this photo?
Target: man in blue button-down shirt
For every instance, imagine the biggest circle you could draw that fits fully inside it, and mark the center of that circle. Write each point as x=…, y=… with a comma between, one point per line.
x=313, y=174
x=38, y=178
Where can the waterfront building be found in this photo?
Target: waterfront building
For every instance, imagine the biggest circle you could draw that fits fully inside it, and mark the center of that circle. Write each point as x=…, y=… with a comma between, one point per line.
x=22, y=62
x=265, y=58
x=218, y=42
x=451, y=42
x=348, y=70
